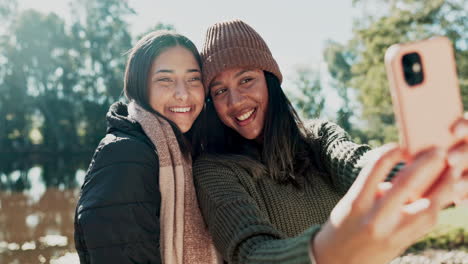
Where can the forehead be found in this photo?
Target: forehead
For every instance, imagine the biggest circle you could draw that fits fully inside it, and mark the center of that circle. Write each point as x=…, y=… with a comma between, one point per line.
x=175, y=56
x=232, y=73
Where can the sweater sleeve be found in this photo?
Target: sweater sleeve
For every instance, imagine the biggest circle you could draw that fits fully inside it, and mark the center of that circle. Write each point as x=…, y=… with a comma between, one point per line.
x=338, y=155
x=241, y=231
x=341, y=158
x=117, y=218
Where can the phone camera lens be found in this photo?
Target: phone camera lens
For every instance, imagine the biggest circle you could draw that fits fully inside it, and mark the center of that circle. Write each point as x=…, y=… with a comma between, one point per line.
x=413, y=70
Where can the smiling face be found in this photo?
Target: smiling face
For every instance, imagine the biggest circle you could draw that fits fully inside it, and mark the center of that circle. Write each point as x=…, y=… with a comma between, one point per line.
x=175, y=89
x=240, y=97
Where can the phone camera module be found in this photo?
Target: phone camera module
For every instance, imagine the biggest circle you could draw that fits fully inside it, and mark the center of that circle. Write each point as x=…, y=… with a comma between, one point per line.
x=412, y=69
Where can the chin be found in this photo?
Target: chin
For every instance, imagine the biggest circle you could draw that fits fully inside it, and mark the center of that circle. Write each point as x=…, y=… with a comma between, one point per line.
x=183, y=128
x=249, y=136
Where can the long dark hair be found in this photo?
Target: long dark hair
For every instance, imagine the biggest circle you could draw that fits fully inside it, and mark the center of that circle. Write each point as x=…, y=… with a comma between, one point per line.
x=284, y=154
x=139, y=62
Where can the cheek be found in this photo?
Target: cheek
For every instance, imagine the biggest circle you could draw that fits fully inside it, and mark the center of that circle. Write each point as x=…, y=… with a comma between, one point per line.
x=265, y=103
x=199, y=97
x=221, y=110
x=156, y=98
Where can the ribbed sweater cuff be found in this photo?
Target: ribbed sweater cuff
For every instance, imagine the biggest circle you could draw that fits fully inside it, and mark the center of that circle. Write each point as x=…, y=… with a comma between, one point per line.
x=291, y=250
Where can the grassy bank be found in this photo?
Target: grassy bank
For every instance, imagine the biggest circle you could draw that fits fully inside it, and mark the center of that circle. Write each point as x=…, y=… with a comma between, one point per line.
x=450, y=233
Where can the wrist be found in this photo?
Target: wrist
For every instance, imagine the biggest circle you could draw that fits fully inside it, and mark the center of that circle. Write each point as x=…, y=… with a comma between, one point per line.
x=311, y=251
x=318, y=249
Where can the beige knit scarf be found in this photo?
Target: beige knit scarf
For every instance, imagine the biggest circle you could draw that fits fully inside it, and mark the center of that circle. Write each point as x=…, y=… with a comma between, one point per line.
x=184, y=237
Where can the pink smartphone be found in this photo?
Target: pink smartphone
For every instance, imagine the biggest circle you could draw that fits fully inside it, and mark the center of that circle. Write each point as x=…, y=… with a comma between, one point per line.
x=425, y=92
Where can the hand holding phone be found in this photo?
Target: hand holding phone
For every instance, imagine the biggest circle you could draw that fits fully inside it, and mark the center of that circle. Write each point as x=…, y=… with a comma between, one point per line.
x=425, y=93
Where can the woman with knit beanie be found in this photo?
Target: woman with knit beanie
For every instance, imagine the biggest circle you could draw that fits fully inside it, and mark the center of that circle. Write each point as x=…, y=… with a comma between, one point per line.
x=273, y=189
x=138, y=202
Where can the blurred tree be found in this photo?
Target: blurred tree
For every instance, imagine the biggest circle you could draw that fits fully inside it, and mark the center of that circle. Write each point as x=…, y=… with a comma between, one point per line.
x=338, y=61
x=399, y=21
x=57, y=80
x=34, y=83
x=100, y=28
x=12, y=122
x=158, y=26
x=310, y=102
x=8, y=9
x=102, y=33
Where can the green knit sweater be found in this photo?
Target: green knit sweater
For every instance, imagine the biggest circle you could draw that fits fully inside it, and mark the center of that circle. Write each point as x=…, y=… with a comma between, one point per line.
x=261, y=221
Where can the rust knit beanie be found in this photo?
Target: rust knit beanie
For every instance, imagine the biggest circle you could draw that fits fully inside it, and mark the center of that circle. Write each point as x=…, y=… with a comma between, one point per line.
x=235, y=44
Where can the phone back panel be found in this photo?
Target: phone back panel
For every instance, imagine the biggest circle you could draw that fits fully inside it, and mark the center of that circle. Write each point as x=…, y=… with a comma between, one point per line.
x=425, y=112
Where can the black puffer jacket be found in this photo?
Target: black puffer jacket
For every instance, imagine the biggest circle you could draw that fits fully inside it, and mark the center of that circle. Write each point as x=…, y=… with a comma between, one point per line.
x=117, y=216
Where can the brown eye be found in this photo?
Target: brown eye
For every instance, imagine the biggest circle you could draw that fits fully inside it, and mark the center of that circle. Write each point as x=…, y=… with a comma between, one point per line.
x=246, y=80
x=220, y=91
x=195, y=79
x=164, y=79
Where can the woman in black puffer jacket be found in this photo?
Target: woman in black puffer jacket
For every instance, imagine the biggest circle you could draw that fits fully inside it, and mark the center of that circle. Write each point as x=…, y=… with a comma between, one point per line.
x=118, y=214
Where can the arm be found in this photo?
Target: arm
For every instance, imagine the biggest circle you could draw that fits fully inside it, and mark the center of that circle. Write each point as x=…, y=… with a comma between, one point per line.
x=117, y=218
x=372, y=225
x=241, y=231
x=338, y=155
x=341, y=158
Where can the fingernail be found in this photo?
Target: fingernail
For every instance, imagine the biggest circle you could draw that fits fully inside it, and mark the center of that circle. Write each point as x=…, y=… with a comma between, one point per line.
x=460, y=187
x=440, y=153
x=462, y=203
x=454, y=158
x=457, y=172
x=461, y=131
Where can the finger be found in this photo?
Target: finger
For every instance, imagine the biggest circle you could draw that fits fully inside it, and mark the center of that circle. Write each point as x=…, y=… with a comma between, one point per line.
x=405, y=219
x=412, y=182
x=458, y=156
x=376, y=171
x=462, y=203
x=460, y=128
x=417, y=219
x=461, y=190
x=383, y=188
x=443, y=191
x=419, y=176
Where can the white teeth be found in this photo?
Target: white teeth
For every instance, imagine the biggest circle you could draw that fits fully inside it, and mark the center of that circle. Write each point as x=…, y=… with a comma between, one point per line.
x=245, y=116
x=180, y=109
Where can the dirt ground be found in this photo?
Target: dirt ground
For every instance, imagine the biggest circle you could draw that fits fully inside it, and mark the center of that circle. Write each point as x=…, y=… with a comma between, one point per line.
x=433, y=256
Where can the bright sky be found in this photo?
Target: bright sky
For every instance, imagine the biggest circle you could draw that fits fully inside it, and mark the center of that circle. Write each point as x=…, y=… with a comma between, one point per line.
x=295, y=30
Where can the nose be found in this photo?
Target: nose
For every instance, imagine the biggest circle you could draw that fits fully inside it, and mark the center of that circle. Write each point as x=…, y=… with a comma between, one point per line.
x=181, y=92
x=236, y=98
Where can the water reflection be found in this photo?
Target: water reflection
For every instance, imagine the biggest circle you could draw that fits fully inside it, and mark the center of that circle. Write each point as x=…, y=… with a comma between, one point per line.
x=37, y=201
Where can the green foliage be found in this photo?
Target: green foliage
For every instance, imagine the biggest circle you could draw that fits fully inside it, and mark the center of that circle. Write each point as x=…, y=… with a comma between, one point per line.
x=456, y=238
x=158, y=26
x=310, y=102
x=359, y=65
x=339, y=66
x=451, y=232
x=59, y=79
x=8, y=9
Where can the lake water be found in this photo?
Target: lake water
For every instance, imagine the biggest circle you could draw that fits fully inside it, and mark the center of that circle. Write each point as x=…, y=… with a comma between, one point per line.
x=38, y=195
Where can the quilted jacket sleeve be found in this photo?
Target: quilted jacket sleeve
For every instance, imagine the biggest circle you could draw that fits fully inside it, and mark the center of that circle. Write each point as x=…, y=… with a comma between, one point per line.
x=117, y=216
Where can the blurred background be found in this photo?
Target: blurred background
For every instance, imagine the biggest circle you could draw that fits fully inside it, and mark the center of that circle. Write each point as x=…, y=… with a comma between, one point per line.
x=62, y=64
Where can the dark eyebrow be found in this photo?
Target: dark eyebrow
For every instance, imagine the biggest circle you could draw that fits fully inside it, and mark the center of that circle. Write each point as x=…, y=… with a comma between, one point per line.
x=242, y=72
x=236, y=75
x=163, y=70
x=171, y=71
x=213, y=84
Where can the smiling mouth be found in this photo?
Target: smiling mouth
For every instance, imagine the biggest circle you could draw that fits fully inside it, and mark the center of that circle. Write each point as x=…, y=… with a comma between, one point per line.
x=180, y=109
x=245, y=116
